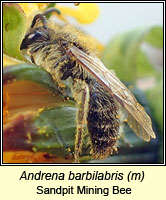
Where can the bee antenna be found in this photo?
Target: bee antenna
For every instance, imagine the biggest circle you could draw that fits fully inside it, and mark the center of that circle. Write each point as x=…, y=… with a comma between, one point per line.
x=50, y=10
x=41, y=17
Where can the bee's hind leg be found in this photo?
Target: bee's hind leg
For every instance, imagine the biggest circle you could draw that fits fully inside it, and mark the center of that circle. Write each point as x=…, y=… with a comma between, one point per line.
x=81, y=95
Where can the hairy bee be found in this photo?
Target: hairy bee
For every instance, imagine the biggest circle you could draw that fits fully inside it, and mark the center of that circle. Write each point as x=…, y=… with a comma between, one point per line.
x=68, y=52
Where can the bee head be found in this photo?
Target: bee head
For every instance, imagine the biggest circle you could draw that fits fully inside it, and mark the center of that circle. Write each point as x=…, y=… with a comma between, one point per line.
x=38, y=35
x=38, y=31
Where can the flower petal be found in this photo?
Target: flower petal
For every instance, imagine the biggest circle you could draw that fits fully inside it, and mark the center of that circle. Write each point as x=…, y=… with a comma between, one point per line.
x=7, y=60
x=85, y=13
x=29, y=8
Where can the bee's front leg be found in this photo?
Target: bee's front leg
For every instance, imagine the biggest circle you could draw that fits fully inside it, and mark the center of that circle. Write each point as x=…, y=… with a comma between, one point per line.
x=81, y=94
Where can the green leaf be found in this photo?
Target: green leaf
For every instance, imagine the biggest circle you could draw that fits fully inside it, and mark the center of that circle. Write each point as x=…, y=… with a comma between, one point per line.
x=14, y=29
x=29, y=72
x=155, y=37
x=123, y=53
x=56, y=130
x=51, y=130
x=143, y=65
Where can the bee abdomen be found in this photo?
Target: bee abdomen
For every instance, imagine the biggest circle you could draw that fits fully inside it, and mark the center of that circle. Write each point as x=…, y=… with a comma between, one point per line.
x=103, y=124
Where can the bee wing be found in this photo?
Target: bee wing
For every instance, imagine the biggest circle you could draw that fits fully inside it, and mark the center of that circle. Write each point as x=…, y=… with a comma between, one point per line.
x=137, y=118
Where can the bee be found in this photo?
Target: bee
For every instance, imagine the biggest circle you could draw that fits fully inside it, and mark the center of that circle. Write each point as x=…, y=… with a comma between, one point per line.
x=66, y=52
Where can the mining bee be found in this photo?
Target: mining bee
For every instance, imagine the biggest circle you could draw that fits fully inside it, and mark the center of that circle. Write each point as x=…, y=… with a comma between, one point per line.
x=66, y=52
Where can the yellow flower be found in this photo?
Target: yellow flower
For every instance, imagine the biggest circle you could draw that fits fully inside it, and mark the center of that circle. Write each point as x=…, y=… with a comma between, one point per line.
x=29, y=8
x=42, y=6
x=84, y=13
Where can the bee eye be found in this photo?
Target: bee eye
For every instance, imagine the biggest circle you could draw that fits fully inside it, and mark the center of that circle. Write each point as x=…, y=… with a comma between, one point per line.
x=31, y=35
x=35, y=36
x=31, y=38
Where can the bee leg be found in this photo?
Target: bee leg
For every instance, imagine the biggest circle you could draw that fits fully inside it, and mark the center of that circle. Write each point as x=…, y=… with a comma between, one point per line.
x=81, y=95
